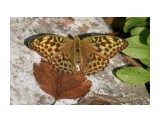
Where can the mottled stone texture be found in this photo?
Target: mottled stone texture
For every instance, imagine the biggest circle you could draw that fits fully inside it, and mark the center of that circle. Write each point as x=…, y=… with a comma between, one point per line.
x=23, y=87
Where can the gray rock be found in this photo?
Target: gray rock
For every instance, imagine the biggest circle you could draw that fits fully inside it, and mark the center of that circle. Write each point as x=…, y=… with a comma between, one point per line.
x=23, y=87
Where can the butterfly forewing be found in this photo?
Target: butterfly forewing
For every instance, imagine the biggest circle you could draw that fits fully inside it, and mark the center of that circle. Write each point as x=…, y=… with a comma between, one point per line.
x=105, y=45
x=55, y=49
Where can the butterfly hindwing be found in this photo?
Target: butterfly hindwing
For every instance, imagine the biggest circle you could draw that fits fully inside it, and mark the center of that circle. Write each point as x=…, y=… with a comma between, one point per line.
x=96, y=63
x=63, y=63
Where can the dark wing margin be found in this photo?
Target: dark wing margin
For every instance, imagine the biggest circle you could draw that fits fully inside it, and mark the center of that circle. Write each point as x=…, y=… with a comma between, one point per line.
x=33, y=37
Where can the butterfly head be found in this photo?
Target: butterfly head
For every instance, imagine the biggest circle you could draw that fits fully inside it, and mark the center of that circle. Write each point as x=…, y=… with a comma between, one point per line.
x=76, y=38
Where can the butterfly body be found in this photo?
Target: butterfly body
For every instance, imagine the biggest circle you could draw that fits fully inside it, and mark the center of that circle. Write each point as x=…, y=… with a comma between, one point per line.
x=91, y=53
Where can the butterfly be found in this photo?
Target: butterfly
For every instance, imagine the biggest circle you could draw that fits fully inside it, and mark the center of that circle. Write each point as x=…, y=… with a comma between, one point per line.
x=91, y=53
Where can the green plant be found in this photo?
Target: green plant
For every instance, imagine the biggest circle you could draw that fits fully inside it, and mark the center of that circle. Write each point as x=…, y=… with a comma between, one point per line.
x=138, y=48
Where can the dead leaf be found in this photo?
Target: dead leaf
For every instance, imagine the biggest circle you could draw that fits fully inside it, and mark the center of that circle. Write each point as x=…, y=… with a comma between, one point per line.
x=133, y=61
x=60, y=85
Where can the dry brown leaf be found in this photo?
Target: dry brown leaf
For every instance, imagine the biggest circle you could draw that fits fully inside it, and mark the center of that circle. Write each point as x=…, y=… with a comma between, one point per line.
x=60, y=85
x=133, y=61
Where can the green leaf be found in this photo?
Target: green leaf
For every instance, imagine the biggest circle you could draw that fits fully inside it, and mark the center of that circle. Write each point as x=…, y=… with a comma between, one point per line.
x=134, y=75
x=145, y=61
x=148, y=40
x=141, y=31
x=136, y=30
x=134, y=22
x=136, y=49
x=148, y=69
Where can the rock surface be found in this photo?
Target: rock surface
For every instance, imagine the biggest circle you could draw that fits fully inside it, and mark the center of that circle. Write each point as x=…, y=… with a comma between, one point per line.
x=23, y=87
